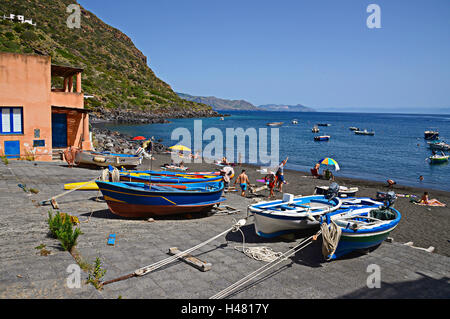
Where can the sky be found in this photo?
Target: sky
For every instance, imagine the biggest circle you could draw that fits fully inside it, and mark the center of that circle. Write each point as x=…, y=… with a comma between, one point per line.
x=315, y=53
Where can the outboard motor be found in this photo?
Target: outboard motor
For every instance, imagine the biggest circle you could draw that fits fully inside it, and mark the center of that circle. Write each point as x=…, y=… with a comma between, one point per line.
x=333, y=191
x=387, y=198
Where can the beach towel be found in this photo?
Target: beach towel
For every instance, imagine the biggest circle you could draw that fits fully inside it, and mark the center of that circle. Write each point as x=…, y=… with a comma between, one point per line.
x=432, y=203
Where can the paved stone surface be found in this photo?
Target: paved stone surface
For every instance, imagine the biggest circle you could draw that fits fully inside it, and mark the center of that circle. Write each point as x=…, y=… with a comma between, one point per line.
x=405, y=272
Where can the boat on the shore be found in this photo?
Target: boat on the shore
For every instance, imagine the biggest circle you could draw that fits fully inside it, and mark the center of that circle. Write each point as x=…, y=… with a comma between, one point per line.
x=275, y=124
x=343, y=191
x=141, y=200
x=365, y=132
x=431, y=135
x=315, y=129
x=143, y=177
x=322, y=138
x=439, y=159
x=275, y=218
x=105, y=159
x=361, y=228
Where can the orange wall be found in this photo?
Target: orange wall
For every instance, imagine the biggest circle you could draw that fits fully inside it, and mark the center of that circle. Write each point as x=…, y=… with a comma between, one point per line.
x=67, y=99
x=25, y=82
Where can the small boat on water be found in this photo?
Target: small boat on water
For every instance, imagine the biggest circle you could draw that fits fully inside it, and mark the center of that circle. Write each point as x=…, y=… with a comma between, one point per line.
x=142, y=200
x=439, y=159
x=322, y=138
x=294, y=121
x=315, y=129
x=222, y=118
x=431, y=135
x=323, y=124
x=275, y=124
x=440, y=146
x=105, y=159
x=352, y=128
x=365, y=132
x=275, y=218
x=362, y=228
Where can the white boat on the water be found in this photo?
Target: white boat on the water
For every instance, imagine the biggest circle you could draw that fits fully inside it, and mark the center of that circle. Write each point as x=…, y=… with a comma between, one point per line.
x=275, y=124
x=294, y=121
x=365, y=132
x=315, y=129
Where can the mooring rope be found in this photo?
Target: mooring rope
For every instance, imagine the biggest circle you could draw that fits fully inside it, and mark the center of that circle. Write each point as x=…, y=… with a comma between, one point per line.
x=147, y=269
x=227, y=291
x=262, y=253
x=330, y=234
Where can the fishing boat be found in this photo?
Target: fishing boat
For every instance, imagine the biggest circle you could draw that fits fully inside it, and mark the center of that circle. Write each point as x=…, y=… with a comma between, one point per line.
x=365, y=132
x=105, y=159
x=294, y=121
x=431, y=135
x=438, y=159
x=362, y=228
x=143, y=177
x=315, y=129
x=275, y=124
x=275, y=218
x=440, y=146
x=322, y=138
x=129, y=199
x=343, y=191
x=352, y=128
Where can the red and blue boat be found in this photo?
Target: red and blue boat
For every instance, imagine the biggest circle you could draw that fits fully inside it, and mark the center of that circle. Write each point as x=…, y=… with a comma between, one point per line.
x=131, y=199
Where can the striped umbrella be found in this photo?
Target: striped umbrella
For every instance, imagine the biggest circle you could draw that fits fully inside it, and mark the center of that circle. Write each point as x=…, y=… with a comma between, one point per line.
x=329, y=161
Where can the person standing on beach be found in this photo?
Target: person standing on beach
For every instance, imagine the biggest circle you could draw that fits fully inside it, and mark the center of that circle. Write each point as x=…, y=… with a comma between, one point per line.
x=271, y=180
x=226, y=173
x=280, y=174
x=243, y=182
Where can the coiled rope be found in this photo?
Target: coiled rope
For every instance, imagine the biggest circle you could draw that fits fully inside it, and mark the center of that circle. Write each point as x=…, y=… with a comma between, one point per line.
x=331, y=234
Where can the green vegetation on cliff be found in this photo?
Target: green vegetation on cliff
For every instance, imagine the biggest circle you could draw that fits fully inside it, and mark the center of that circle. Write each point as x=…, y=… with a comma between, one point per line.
x=115, y=71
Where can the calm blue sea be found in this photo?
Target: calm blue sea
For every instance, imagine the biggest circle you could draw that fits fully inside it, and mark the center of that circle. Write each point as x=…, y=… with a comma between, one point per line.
x=397, y=151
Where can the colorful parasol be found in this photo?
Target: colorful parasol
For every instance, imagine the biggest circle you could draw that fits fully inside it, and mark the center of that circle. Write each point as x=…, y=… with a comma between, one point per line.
x=139, y=138
x=329, y=161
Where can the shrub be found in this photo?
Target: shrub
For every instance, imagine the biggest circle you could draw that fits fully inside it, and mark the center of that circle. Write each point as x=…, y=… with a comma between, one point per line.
x=95, y=276
x=62, y=227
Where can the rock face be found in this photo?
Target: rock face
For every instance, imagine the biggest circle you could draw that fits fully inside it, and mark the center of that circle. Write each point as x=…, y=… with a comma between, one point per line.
x=111, y=141
x=131, y=116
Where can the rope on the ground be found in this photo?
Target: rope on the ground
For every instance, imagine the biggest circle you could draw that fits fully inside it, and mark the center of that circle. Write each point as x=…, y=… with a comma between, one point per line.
x=227, y=291
x=330, y=234
x=262, y=253
x=147, y=269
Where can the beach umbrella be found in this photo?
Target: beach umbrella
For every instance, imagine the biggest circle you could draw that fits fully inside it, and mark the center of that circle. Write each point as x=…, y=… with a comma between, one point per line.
x=139, y=138
x=180, y=147
x=329, y=161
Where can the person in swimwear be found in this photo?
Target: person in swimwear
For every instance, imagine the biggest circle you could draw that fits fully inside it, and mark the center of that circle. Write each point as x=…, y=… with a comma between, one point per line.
x=243, y=181
x=433, y=202
x=271, y=179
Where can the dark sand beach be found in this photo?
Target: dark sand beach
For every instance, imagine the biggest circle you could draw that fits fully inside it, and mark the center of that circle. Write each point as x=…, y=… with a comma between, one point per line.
x=423, y=225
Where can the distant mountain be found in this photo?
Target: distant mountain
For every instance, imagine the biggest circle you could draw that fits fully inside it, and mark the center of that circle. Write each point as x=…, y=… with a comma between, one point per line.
x=286, y=108
x=220, y=104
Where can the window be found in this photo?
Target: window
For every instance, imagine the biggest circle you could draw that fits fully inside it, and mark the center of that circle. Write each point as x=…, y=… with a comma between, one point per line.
x=11, y=120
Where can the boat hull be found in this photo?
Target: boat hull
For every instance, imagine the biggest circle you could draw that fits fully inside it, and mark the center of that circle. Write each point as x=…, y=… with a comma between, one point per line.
x=107, y=159
x=137, y=200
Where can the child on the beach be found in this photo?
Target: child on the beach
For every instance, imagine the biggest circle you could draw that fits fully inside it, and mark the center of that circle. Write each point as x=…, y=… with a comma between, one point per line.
x=271, y=179
x=280, y=174
x=243, y=182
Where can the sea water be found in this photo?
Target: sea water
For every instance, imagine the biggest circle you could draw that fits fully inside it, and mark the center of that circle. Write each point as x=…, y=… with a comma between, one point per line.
x=397, y=151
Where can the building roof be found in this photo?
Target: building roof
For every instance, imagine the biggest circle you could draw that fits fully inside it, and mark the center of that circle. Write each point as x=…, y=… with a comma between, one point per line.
x=64, y=71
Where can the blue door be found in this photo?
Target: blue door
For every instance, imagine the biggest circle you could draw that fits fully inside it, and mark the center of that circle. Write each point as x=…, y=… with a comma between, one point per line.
x=12, y=149
x=59, y=130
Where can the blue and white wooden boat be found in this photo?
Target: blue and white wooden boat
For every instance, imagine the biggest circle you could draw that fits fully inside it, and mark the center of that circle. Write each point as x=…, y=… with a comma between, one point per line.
x=362, y=228
x=130, y=199
x=275, y=218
